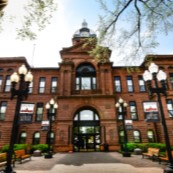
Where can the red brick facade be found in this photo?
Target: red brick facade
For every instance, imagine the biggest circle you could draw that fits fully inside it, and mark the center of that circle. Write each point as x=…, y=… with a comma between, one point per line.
x=71, y=100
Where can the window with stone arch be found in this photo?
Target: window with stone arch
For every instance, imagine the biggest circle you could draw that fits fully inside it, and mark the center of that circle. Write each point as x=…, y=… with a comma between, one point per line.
x=36, y=138
x=85, y=77
x=137, y=136
x=22, y=138
x=150, y=136
x=50, y=136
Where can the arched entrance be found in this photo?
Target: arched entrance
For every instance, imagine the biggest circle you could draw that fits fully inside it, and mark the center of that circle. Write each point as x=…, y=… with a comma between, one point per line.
x=86, y=131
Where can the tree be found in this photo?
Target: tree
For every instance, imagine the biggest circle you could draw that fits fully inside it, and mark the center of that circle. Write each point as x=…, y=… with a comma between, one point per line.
x=131, y=27
x=3, y=3
x=37, y=15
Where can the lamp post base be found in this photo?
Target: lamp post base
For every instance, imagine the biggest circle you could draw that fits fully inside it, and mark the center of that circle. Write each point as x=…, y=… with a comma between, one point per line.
x=48, y=155
x=168, y=170
x=126, y=154
x=7, y=171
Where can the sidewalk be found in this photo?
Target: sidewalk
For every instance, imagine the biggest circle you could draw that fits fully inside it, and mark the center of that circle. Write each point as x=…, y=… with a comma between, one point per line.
x=90, y=162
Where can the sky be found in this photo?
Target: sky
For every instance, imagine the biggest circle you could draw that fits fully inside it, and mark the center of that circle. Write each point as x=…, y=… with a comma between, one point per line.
x=44, y=52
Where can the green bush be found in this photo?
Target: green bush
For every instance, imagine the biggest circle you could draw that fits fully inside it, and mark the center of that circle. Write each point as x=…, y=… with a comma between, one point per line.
x=131, y=146
x=16, y=147
x=145, y=146
x=5, y=148
x=20, y=146
x=42, y=147
x=158, y=145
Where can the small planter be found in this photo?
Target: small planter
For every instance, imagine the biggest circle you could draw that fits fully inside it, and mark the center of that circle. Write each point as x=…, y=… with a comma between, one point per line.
x=126, y=154
x=37, y=153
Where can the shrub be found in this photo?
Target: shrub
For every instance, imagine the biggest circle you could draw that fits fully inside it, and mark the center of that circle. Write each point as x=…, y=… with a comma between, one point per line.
x=42, y=147
x=5, y=148
x=158, y=145
x=16, y=147
x=20, y=146
x=145, y=146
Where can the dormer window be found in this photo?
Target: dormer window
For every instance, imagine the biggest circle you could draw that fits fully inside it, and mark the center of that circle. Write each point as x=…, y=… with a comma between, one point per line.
x=85, y=77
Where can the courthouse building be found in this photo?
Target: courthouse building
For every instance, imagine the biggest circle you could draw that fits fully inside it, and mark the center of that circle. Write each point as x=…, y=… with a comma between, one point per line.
x=86, y=92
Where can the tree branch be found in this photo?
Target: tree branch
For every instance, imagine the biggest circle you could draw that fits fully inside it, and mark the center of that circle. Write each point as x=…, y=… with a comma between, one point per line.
x=117, y=16
x=138, y=23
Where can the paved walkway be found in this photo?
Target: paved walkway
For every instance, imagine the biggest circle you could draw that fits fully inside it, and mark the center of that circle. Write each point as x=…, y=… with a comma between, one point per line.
x=90, y=162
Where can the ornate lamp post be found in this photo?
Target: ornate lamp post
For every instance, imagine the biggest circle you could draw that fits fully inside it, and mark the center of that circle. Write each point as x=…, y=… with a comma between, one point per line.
x=121, y=106
x=51, y=107
x=23, y=78
x=159, y=76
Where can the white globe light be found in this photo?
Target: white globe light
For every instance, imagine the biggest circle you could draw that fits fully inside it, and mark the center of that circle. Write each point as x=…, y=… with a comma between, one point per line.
x=120, y=100
x=55, y=106
x=117, y=105
x=22, y=69
x=29, y=77
x=153, y=68
x=147, y=76
x=52, y=101
x=47, y=106
x=161, y=75
x=14, y=77
x=125, y=104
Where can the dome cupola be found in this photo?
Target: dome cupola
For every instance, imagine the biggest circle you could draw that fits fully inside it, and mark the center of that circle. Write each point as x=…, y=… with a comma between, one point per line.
x=84, y=31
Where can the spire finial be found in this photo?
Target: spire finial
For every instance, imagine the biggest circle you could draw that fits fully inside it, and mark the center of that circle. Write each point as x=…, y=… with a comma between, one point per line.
x=84, y=24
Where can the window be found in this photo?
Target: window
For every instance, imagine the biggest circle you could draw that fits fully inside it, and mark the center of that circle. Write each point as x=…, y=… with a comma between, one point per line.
x=31, y=87
x=86, y=115
x=42, y=84
x=3, y=107
x=121, y=136
x=171, y=79
x=36, y=138
x=141, y=84
x=22, y=138
x=129, y=84
x=0, y=83
x=39, y=112
x=137, y=136
x=85, y=77
x=10, y=70
x=54, y=85
x=117, y=83
x=150, y=136
x=170, y=107
x=52, y=138
x=133, y=110
x=7, y=84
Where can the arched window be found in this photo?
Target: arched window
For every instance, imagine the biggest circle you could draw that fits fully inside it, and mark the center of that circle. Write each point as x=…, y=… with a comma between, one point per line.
x=137, y=136
x=22, y=138
x=86, y=115
x=150, y=136
x=36, y=138
x=52, y=138
x=85, y=77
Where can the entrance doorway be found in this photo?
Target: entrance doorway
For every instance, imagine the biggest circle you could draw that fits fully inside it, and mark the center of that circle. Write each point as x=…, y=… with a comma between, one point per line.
x=86, y=131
